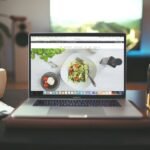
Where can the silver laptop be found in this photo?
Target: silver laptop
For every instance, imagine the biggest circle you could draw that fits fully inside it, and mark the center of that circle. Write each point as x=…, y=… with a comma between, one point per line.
x=77, y=75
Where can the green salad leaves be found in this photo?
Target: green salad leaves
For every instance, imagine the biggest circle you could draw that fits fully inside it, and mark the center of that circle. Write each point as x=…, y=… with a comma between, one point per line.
x=78, y=72
x=45, y=53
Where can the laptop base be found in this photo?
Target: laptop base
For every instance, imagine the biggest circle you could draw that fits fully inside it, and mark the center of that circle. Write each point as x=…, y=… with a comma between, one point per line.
x=27, y=110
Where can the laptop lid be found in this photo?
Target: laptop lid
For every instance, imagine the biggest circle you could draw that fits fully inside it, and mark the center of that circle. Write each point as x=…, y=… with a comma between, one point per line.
x=77, y=65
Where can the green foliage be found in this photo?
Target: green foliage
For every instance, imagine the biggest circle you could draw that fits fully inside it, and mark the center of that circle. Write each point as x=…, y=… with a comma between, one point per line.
x=100, y=26
x=3, y=30
x=46, y=53
x=110, y=27
x=107, y=27
x=135, y=24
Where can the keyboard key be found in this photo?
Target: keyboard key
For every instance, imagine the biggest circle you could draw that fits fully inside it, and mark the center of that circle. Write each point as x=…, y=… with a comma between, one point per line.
x=83, y=103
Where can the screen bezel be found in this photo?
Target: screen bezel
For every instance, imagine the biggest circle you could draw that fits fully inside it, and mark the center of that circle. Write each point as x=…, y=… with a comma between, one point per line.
x=35, y=94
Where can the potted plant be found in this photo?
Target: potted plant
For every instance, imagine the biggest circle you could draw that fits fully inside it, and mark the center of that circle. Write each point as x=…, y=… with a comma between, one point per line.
x=4, y=31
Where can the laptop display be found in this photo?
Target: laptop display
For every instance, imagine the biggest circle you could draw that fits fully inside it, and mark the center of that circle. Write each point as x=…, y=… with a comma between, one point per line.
x=77, y=75
x=77, y=64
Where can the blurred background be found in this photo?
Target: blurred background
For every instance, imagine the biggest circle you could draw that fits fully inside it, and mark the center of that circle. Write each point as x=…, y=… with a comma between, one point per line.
x=18, y=18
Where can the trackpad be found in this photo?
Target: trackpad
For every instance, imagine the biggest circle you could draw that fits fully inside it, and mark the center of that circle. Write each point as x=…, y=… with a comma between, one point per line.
x=76, y=112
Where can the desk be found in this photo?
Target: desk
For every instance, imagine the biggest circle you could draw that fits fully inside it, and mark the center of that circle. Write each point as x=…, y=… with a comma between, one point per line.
x=76, y=133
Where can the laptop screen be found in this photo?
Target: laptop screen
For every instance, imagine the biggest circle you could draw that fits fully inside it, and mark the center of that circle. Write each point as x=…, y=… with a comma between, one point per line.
x=77, y=65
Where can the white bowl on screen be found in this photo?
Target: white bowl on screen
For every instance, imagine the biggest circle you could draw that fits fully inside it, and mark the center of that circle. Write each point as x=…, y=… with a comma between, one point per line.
x=65, y=68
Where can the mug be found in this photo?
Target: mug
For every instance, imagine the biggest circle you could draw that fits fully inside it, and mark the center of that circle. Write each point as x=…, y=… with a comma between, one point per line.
x=3, y=80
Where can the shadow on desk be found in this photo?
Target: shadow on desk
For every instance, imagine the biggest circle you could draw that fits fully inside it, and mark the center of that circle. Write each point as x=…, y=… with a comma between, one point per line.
x=78, y=134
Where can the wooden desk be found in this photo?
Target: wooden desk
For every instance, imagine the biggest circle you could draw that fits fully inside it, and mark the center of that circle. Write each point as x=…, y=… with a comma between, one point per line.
x=76, y=133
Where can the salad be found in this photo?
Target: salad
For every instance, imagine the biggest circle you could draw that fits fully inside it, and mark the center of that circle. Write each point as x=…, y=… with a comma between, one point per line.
x=78, y=71
x=46, y=53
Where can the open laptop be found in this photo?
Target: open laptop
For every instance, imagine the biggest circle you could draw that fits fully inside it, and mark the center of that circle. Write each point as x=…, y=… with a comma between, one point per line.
x=77, y=75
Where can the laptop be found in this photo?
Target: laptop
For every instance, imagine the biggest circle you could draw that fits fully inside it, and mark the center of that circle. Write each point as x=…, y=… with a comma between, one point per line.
x=77, y=75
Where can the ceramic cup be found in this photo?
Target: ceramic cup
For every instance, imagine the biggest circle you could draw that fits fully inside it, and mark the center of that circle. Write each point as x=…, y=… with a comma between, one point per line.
x=3, y=80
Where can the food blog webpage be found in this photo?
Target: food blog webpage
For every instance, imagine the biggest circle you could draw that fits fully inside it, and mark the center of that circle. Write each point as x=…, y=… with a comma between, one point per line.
x=77, y=65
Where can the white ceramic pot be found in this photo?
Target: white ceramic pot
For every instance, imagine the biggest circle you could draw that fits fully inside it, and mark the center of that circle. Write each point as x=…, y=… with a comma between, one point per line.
x=3, y=80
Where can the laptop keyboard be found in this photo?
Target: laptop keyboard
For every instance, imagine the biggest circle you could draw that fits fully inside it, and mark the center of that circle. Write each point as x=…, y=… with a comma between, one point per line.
x=83, y=103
